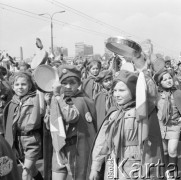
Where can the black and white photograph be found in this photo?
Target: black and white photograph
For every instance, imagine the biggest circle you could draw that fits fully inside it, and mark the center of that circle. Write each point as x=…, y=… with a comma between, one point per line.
x=90, y=89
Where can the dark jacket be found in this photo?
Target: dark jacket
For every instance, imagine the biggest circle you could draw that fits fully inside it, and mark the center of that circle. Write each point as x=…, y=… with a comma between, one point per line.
x=8, y=168
x=91, y=87
x=103, y=102
x=84, y=128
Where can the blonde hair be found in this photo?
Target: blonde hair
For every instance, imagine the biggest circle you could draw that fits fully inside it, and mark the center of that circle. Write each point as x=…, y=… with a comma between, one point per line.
x=27, y=76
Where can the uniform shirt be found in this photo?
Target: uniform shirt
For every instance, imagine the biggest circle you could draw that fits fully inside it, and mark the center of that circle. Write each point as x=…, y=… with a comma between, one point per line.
x=173, y=114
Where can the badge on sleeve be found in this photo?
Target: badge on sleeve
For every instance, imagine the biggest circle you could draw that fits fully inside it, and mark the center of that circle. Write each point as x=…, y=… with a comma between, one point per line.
x=64, y=71
x=6, y=165
x=116, y=74
x=88, y=117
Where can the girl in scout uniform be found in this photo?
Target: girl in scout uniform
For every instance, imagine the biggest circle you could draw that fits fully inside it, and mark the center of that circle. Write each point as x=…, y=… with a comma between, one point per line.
x=90, y=86
x=169, y=110
x=118, y=137
x=22, y=121
x=119, y=142
x=104, y=99
x=77, y=115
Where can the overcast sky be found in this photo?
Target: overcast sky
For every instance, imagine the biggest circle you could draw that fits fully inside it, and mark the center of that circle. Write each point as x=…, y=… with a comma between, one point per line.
x=158, y=20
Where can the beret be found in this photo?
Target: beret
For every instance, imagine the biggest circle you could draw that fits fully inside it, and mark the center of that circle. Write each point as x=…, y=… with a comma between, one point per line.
x=129, y=78
x=65, y=71
x=167, y=59
x=158, y=75
x=104, y=74
x=179, y=63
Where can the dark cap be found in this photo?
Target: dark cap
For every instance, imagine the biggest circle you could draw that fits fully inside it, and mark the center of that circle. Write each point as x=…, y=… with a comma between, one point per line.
x=179, y=63
x=158, y=75
x=167, y=59
x=65, y=71
x=129, y=78
x=103, y=75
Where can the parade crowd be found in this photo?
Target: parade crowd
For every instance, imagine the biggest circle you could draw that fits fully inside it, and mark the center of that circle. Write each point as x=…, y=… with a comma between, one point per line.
x=100, y=122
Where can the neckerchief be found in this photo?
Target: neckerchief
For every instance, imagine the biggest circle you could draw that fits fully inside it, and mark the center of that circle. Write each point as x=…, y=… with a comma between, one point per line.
x=166, y=107
x=115, y=131
x=109, y=99
x=96, y=88
x=167, y=103
x=15, y=106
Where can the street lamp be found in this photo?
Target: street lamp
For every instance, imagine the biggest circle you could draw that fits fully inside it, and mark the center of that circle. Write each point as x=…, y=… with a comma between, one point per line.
x=51, y=18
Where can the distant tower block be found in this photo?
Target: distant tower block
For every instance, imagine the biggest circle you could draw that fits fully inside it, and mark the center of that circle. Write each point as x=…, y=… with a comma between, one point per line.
x=21, y=53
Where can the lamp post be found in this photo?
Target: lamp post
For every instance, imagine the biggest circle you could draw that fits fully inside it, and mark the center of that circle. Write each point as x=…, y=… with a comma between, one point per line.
x=51, y=18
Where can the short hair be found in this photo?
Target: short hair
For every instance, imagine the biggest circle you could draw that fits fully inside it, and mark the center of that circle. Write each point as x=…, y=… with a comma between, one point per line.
x=161, y=78
x=27, y=76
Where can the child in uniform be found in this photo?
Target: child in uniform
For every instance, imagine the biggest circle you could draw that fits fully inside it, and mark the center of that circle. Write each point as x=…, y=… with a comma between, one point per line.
x=120, y=136
x=79, y=122
x=169, y=110
x=90, y=86
x=22, y=121
x=104, y=99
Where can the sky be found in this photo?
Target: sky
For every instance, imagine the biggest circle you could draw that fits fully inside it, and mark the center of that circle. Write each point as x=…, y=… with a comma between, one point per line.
x=91, y=22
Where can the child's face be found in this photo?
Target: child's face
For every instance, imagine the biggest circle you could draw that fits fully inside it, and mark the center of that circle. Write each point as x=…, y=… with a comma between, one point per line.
x=70, y=86
x=121, y=93
x=107, y=83
x=168, y=64
x=167, y=81
x=94, y=70
x=79, y=64
x=21, y=86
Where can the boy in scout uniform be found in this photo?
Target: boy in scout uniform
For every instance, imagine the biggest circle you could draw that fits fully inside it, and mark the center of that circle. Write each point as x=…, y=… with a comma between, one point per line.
x=78, y=116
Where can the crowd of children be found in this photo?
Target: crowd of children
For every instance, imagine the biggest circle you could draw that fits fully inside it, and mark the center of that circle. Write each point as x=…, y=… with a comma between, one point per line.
x=103, y=133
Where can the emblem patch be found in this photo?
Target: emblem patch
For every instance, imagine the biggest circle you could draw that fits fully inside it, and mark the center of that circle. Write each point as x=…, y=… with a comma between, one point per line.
x=88, y=117
x=64, y=71
x=6, y=165
x=116, y=74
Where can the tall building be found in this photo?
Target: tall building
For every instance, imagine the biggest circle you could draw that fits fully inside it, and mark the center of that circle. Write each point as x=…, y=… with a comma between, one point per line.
x=60, y=50
x=88, y=50
x=82, y=49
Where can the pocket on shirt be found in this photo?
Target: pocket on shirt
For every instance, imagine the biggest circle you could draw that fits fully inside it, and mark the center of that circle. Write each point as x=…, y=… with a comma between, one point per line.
x=29, y=110
x=130, y=123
